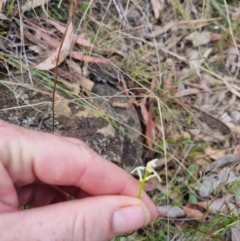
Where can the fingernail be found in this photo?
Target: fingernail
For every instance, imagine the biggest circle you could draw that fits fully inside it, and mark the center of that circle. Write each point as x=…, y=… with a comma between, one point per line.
x=130, y=218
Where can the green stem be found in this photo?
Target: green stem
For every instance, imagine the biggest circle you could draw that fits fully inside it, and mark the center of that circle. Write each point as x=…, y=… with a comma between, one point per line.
x=142, y=183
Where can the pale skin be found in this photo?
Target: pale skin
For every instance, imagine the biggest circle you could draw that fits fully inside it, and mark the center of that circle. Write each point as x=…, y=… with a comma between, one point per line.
x=39, y=168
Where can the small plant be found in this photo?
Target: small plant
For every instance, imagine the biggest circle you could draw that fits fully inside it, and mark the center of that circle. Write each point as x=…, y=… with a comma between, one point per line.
x=148, y=174
x=10, y=8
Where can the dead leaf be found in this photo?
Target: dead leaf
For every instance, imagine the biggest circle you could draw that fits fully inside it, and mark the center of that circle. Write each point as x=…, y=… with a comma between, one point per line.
x=31, y=4
x=212, y=182
x=182, y=25
x=54, y=43
x=84, y=82
x=2, y=4
x=215, y=206
x=222, y=161
x=51, y=41
x=73, y=87
x=236, y=14
x=161, y=30
x=207, y=136
x=233, y=127
x=157, y=6
x=194, y=213
x=194, y=60
x=233, y=88
x=36, y=49
x=60, y=53
x=35, y=39
x=214, y=154
x=232, y=55
x=199, y=38
x=148, y=121
x=77, y=39
x=3, y=16
x=215, y=36
x=170, y=211
x=125, y=105
x=150, y=127
x=186, y=92
x=153, y=83
x=144, y=111
x=35, y=27
x=212, y=122
x=80, y=56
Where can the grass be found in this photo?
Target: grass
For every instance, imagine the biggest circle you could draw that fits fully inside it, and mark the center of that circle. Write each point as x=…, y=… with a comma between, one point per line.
x=168, y=61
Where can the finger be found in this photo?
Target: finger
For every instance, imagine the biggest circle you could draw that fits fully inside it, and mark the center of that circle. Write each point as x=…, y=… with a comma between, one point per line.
x=90, y=219
x=37, y=195
x=8, y=194
x=57, y=161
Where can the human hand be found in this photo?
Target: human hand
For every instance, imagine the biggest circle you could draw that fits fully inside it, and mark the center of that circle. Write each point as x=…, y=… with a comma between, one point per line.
x=39, y=169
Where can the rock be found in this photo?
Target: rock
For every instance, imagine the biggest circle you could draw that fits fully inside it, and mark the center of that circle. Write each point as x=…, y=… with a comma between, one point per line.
x=113, y=132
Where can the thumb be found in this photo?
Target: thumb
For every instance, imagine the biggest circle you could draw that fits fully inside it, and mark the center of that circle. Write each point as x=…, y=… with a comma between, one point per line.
x=89, y=219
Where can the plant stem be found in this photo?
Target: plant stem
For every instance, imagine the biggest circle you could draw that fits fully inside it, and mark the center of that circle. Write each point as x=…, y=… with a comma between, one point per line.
x=142, y=183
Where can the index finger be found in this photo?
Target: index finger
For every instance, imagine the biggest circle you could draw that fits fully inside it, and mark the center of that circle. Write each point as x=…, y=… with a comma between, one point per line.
x=29, y=156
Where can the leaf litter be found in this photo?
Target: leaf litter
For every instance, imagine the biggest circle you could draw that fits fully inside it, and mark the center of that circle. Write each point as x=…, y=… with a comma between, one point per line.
x=175, y=53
